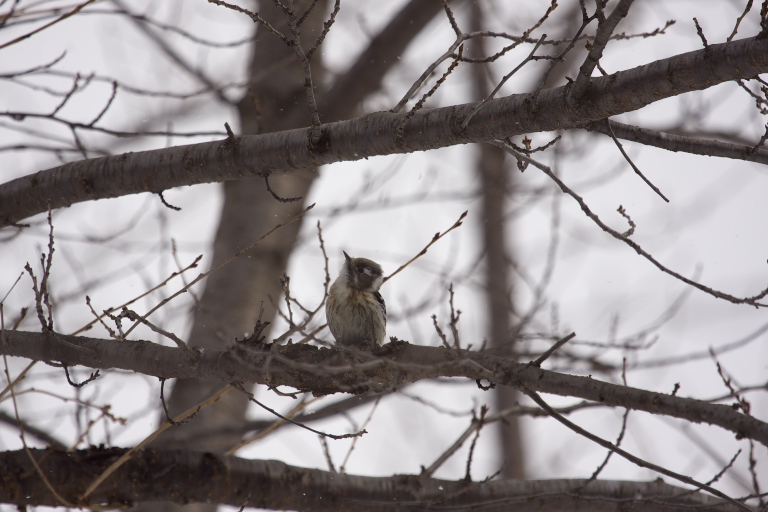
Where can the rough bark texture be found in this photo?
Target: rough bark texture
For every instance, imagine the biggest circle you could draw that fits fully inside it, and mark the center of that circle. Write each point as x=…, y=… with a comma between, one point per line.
x=197, y=477
x=326, y=371
x=382, y=133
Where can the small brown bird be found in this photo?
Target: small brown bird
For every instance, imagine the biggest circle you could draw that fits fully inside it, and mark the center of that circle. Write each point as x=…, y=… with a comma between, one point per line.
x=355, y=309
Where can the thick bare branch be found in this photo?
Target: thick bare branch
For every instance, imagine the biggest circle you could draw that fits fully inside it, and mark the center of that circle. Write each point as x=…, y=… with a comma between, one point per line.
x=187, y=476
x=376, y=134
x=326, y=371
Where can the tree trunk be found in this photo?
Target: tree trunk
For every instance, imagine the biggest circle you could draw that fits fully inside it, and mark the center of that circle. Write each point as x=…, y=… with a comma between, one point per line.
x=496, y=179
x=233, y=296
x=230, y=305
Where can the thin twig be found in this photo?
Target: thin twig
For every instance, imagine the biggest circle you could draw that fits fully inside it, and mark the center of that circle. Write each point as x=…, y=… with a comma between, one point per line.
x=454, y=322
x=343, y=466
x=747, y=8
x=255, y=17
x=135, y=317
x=326, y=27
x=327, y=454
x=632, y=224
x=309, y=88
x=752, y=473
x=277, y=197
x=639, y=250
x=289, y=420
x=619, y=439
x=94, y=375
x=517, y=40
x=543, y=357
x=440, y=332
x=701, y=33
x=634, y=167
x=480, y=423
x=435, y=238
x=151, y=290
x=427, y=72
x=165, y=426
x=632, y=458
x=605, y=28
x=18, y=378
x=400, y=132
x=586, y=20
x=261, y=434
x=474, y=425
x=60, y=18
x=217, y=268
x=492, y=95
x=167, y=204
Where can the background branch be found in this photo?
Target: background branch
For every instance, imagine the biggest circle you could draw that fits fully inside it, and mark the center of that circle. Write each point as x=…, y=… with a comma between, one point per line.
x=187, y=476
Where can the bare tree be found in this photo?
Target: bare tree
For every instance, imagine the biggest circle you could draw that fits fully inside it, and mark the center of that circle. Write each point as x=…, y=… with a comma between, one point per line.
x=270, y=101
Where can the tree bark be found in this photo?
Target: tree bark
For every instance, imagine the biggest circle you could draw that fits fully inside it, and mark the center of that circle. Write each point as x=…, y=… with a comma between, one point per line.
x=382, y=133
x=325, y=371
x=496, y=184
x=196, y=477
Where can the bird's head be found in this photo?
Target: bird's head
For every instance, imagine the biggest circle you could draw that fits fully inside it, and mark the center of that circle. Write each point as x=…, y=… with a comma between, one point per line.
x=361, y=273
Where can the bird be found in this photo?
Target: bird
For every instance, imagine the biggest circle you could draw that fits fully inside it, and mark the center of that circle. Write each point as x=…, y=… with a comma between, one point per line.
x=356, y=313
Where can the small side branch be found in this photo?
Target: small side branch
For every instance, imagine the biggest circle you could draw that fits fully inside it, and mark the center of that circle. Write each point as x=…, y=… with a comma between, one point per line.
x=551, y=350
x=753, y=301
x=632, y=458
x=629, y=160
x=604, y=32
x=435, y=238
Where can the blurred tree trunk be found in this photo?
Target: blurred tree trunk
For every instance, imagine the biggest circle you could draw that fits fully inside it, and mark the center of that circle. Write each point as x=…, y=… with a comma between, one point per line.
x=229, y=307
x=496, y=183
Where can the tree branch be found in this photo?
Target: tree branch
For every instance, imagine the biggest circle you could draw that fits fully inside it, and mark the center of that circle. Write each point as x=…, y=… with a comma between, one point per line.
x=325, y=371
x=186, y=476
x=604, y=33
x=692, y=145
x=376, y=134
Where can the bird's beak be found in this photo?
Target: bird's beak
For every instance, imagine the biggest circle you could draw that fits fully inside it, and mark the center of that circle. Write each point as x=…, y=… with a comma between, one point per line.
x=347, y=256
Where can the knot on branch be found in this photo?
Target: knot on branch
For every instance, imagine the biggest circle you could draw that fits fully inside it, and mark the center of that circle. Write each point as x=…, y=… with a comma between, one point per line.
x=318, y=140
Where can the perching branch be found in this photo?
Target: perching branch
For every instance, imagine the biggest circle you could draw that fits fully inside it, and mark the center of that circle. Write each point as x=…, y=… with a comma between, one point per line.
x=326, y=371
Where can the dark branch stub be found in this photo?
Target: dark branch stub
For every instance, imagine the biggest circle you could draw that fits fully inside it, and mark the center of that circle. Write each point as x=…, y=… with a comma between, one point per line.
x=95, y=375
x=167, y=204
x=552, y=349
x=165, y=408
x=277, y=197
